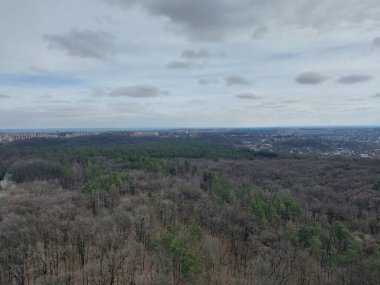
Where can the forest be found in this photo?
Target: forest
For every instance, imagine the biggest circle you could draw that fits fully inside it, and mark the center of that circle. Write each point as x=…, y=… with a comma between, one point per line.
x=185, y=211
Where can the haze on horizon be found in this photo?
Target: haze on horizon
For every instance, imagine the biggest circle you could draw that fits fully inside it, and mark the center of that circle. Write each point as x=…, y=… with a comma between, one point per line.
x=188, y=63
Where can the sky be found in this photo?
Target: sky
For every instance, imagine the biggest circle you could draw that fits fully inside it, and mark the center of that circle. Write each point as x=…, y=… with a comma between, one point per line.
x=189, y=63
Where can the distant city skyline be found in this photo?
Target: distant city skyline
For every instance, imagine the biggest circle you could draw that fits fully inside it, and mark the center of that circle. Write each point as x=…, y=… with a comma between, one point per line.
x=189, y=64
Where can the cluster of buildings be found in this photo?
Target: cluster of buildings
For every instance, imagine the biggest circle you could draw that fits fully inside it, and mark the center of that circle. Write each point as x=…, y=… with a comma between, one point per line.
x=143, y=134
x=12, y=137
x=348, y=142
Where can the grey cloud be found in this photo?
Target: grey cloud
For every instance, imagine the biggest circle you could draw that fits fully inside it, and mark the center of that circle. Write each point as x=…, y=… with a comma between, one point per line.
x=206, y=20
x=67, y=116
x=354, y=78
x=45, y=96
x=310, y=77
x=376, y=95
x=213, y=20
x=288, y=101
x=237, y=80
x=3, y=96
x=86, y=43
x=200, y=19
x=48, y=99
x=105, y=20
x=126, y=3
x=58, y=101
x=196, y=101
x=130, y=108
x=195, y=54
x=192, y=59
x=248, y=95
x=179, y=65
x=208, y=81
x=136, y=91
x=259, y=32
x=97, y=93
x=51, y=111
x=376, y=43
x=39, y=70
x=86, y=101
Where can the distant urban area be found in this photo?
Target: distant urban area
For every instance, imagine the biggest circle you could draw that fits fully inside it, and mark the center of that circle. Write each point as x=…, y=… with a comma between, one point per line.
x=339, y=141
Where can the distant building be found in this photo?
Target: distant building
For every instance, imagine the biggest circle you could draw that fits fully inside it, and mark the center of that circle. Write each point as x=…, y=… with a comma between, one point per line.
x=143, y=134
x=191, y=134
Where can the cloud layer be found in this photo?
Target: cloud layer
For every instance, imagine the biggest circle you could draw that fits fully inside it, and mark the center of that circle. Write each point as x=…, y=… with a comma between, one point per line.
x=167, y=63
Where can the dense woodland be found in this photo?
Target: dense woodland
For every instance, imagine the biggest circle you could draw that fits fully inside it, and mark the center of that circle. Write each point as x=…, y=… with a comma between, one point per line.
x=185, y=211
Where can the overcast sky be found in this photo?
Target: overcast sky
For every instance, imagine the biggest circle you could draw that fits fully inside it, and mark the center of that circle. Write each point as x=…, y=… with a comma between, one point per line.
x=189, y=63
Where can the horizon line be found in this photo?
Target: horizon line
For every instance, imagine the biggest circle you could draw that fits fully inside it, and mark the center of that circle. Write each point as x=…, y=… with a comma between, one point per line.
x=183, y=128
